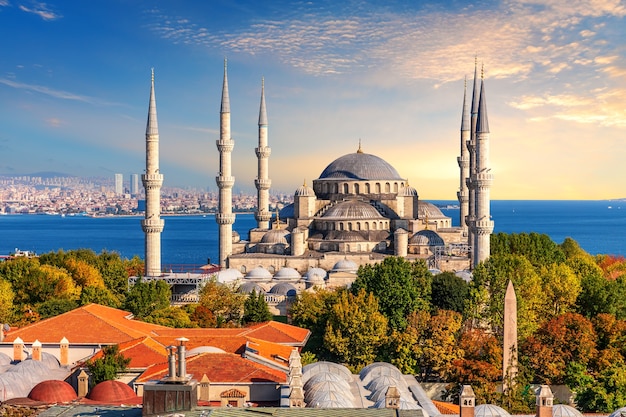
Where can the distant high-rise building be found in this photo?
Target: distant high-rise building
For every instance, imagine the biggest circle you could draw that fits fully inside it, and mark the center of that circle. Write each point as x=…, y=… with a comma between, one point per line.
x=119, y=184
x=134, y=184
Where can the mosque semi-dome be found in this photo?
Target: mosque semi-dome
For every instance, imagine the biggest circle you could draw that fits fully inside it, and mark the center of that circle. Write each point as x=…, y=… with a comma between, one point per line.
x=352, y=209
x=360, y=166
x=276, y=236
x=426, y=237
x=429, y=210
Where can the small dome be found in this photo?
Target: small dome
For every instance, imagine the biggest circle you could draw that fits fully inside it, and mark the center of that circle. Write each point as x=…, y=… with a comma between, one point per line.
x=563, y=410
x=345, y=265
x=619, y=412
x=326, y=376
x=284, y=288
x=304, y=191
x=229, y=275
x=236, y=237
x=465, y=275
x=408, y=191
x=360, y=166
x=111, y=392
x=276, y=236
x=403, y=405
x=52, y=392
x=259, y=274
x=287, y=274
x=352, y=209
x=426, y=238
x=204, y=349
x=426, y=209
x=248, y=287
x=312, y=369
x=314, y=274
x=490, y=410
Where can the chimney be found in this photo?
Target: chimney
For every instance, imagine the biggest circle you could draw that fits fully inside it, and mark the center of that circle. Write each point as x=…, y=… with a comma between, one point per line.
x=64, y=357
x=18, y=350
x=392, y=398
x=545, y=400
x=205, y=388
x=467, y=401
x=83, y=383
x=171, y=360
x=182, y=363
x=36, y=354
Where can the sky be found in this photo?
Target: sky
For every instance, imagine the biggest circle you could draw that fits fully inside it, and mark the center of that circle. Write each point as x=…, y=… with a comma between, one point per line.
x=75, y=83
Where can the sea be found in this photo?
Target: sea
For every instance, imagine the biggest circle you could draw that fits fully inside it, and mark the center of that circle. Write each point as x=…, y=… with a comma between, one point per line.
x=599, y=226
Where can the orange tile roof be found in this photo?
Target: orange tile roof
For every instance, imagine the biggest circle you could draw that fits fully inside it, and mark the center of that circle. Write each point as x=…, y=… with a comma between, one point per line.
x=447, y=408
x=91, y=324
x=274, y=331
x=220, y=368
x=271, y=351
x=142, y=352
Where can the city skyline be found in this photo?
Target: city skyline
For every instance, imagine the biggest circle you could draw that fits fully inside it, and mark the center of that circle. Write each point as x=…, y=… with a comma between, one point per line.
x=75, y=79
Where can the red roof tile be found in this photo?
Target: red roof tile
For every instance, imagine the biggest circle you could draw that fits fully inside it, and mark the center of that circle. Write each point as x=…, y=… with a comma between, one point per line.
x=447, y=408
x=274, y=331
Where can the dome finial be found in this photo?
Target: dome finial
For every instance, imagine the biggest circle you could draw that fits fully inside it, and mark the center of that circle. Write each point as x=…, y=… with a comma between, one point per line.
x=359, y=150
x=304, y=183
x=426, y=228
x=152, y=74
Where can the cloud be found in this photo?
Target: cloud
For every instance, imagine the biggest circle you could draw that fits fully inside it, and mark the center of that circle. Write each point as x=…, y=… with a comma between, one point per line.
x=42, y=10
x=60, y=94
x=4, y=3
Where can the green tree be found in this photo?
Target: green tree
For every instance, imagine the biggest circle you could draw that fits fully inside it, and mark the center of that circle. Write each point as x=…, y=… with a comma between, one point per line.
x=145, y=297
x=108, y=366
x=55, y=306
x=171, y=316
x=449, y=292
x=561, y=286
x=539, y=249
x=355, y=329
x=6, y=302
x=607, y=393
x=571, y=249
x=255, y=309
x=224, y=302
x=400, y=286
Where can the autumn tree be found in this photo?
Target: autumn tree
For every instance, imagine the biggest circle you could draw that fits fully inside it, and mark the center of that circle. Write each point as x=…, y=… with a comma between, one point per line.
x=6, y=302
x=224, y=302
x=355, y=329
x=439, y=346
x=255, y=309
x=108, y=366
x=170, y=316
x=400, y=287
x=561, y=286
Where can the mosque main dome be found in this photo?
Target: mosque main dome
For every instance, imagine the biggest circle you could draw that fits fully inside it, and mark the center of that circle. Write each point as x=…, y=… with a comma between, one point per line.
x=360, y=166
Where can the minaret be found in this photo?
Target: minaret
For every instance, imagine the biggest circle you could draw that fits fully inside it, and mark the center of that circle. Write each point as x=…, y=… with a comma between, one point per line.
x=509, y=350
x=471, y=208
x=482, y=179
x=463, y=160
x=225, y=181
x=152, y=180
x=262, y=181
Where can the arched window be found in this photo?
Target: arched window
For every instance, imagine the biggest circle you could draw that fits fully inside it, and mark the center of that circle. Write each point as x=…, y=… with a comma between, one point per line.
x=377, y=188
x=356, y=188
x=374, y=225
x=345, y=189
x=358, y=225
x=243, y=269
x=387, y=187
x=367, y=188
x=340, y=226
x=395, y=187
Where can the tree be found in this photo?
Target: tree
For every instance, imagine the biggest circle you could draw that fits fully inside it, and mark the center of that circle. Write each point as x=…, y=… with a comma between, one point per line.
x=572, y=249
x=439, y=345
x=224, y=302
x=255, y=309
x=171, y=316
x=6, y=301
x=605, y=394
x=145, y=297
x=400, y=286
x=561, y=286
x=355, y=329
x=449, y=292
x=539, y=249
x=55, y=306
x=108, y=366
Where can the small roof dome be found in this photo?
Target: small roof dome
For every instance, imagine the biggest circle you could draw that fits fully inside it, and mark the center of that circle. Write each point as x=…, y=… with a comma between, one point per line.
x=276, y=236
x=352, y=209
x=304, y=191
x=204, y=349
x=345, y=265
x=408, y=191
x=287, y=274
x=618, y=412
x=248, y=287
x=314, y=274
x=345, y=236
x=111, y=392
x=229, y=275
x=490, y=410
x=259, y=274
x=52, y=392
x=426, y=237
x=236, y=237
x=426, y=209
x=360, y=166
x=464, y=274
x=564, y=410
x=284, y=288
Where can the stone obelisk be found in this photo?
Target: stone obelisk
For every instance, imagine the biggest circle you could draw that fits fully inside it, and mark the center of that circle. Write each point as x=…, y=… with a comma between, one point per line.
x=509, y=351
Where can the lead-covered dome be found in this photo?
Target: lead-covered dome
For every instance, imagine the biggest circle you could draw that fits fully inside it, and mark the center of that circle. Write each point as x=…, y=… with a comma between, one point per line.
x=360, y=166
x=352, y=209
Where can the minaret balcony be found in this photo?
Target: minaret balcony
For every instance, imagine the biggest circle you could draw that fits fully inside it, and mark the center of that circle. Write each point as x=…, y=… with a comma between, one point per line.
x=263, y=152
x=462, y=196
x=483, y=180
x=483, y=226
x=152, y=225
x=225, y=182
x=225, y=218
x=225, y=145
x=152, y=180
x=263, y=216
x=463, y=161
x=263, y=183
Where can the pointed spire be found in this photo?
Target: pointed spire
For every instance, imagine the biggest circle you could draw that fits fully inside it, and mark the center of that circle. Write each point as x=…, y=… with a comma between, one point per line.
x=263, y=110
x=465, y=118
x=482, y=123
x=225, y=99
x=476, y=90
x=359, y=150
x=152, y=127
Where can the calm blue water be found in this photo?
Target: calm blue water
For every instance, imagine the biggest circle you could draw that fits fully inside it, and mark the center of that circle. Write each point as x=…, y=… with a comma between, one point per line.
x=598, y=226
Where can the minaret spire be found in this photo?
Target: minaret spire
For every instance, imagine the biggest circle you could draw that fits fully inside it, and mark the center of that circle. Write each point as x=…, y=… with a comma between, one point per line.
x=225, y=181
x=471, y=208
x=463, y=161
x=262, y=182
x=152, y=224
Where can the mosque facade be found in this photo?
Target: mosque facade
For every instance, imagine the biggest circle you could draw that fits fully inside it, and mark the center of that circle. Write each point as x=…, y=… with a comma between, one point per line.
x=360, y=209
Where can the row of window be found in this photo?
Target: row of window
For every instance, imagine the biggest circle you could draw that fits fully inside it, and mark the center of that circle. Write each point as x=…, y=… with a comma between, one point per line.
x=355, y=188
